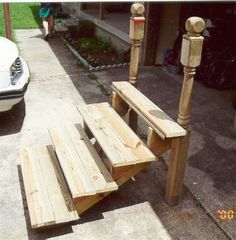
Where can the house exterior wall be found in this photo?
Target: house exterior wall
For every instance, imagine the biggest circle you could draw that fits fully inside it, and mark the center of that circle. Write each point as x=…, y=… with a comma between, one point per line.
x=119, y=44
x=169, y=24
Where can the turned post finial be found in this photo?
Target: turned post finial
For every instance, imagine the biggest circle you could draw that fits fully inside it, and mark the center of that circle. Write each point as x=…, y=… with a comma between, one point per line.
x=137, y=9
x=194, y=25
x=191, y=52
x=192, y=42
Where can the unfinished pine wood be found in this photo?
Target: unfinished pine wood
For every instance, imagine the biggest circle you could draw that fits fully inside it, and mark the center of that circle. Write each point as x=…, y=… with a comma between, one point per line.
x=152, y=114
x=119, y=104
x=156, y=144
x=85, y=203
x=191, y=52
x=190, y=58
x=119, y=143
x=132, y=120
x=82, y=166
x=177, y=163
x=48, y=198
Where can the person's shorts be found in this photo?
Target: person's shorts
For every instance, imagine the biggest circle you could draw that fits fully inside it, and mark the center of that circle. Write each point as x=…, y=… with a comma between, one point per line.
x=45, y=12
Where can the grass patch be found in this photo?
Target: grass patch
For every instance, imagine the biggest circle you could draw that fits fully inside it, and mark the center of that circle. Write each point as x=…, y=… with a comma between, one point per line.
x=23, y=16
x=95, y=44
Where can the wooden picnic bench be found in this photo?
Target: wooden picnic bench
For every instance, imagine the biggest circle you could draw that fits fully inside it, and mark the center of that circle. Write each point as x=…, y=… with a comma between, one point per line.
x=88, y=161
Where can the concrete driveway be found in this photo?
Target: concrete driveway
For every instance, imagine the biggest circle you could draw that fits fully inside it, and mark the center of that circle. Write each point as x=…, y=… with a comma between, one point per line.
x=136, y=211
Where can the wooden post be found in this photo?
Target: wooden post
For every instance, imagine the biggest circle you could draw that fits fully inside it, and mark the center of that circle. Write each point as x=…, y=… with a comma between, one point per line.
x=101, y=11
x=190, y=58
x=137, y=22
x=136, y=35
x=7, y=18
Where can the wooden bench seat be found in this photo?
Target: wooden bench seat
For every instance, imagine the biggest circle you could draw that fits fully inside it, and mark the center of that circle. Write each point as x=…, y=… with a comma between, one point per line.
x=152, y=114
x=85, y=173
x=47, y=194
x=119, y=143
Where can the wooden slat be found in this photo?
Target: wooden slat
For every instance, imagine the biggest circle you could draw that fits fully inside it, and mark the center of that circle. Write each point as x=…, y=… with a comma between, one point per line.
x=47, y=194
x=41, y=187
x=132, y=141
x=30, y=191
x=120, y=144
x=76, y=177
x=152, y=114
x=101, y=177
x=110, y=141
x=67, y=210
x=80, y=162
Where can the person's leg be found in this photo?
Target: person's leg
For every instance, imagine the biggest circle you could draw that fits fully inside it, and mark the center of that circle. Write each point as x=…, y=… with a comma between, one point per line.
x=46, y=28
x=51, y=24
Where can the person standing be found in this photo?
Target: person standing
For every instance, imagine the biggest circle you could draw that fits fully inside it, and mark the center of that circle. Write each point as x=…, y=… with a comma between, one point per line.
x=46, y=13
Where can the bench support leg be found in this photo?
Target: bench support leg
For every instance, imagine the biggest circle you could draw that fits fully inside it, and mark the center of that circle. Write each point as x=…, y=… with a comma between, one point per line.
x=133, y=120
x=156, y=144
x=119, y=104
x=177, y=164
x=122, y=108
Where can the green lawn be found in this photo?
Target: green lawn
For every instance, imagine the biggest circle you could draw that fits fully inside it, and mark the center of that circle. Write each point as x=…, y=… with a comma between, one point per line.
x=23, y=16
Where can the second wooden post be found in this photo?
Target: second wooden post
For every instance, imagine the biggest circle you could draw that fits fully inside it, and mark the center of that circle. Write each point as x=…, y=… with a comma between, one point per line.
x=190, y=58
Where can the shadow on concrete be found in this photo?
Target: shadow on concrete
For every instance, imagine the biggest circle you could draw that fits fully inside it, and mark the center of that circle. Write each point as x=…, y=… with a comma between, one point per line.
x=12, y=121
x=217, y=162
x=44, y=233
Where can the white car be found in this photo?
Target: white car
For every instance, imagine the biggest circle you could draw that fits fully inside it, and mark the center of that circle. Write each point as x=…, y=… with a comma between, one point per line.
x=14, y=75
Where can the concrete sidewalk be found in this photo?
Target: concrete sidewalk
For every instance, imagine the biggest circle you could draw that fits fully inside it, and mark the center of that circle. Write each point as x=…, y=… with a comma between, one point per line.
x=137, y=210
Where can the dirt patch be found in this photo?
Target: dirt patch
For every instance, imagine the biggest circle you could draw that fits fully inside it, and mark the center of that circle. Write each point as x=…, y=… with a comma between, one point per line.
x=97, y=51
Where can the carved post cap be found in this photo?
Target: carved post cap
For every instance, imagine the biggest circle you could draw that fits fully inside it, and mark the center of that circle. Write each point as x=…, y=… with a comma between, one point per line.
x=192, y=42
x=137, y=9
x=194, y=25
